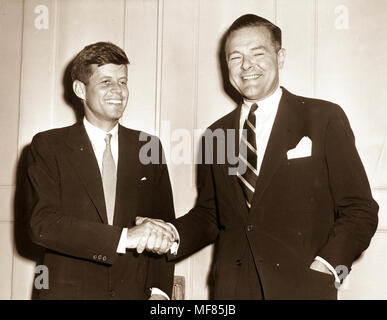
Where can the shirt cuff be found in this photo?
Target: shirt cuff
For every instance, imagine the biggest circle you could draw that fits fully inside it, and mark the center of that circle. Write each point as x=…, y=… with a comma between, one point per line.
x=175, y=245
x=122, y=243
x=329, y=266
x=160, y=292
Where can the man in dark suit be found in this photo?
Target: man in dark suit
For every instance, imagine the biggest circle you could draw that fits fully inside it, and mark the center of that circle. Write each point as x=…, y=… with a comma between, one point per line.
x=89, y=183
x=299, y=211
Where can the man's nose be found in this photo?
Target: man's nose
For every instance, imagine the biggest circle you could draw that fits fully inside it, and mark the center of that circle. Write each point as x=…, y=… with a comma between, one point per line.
x=115, y=87
x=246, y=63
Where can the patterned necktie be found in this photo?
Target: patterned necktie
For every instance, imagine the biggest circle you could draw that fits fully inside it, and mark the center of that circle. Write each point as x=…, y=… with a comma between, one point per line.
x=249, y=156
x=109, y=179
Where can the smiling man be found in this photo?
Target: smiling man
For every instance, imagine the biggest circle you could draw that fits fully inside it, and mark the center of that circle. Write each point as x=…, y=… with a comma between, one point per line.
x=88, y=186
x=295, y=220
x=254, y=58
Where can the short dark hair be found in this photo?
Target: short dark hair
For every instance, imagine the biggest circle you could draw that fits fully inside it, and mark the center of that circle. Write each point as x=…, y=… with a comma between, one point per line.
x=252, y=20
x=99, y=53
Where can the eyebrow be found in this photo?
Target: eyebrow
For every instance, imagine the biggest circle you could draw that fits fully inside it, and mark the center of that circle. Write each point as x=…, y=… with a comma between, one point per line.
x=259, y=48
x=255, y=48
x=110, y=77
x=235, y=51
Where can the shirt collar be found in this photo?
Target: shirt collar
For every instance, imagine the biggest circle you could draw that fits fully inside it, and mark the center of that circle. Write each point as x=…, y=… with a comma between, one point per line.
x=267, y=105
x=96, y=133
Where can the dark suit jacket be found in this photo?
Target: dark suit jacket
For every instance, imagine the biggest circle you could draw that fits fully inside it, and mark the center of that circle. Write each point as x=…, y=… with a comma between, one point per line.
x=319, y=205
x=69, y=218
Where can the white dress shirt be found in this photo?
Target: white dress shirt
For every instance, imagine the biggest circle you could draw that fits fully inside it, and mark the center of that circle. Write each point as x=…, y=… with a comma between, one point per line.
x=265, y=115
x=97, y=139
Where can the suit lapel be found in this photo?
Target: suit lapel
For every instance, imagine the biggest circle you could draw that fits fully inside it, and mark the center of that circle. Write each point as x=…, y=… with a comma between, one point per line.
x=82, y=157
x=286, y=132
x=128, y=176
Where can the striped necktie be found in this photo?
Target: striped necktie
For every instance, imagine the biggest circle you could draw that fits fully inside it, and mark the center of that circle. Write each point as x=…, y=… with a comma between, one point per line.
x=109, y=179
x=249, y=156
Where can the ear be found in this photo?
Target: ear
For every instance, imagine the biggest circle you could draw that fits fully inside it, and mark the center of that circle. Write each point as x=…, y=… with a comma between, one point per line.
x=281, y=55
x=79, y=89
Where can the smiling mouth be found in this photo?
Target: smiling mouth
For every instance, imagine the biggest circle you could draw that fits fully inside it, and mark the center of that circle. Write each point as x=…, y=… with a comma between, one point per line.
x=114, y=101
x=252, y=76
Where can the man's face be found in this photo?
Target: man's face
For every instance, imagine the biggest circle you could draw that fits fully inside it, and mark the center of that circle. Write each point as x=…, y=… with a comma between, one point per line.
x=253, y=62
x=106, y=95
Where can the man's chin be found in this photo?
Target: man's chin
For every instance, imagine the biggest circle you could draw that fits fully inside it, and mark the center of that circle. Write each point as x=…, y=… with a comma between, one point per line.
x=252, y=98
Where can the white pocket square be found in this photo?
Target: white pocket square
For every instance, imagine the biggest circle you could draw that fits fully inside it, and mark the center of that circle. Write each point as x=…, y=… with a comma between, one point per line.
x=302, y=150
x=143, y=178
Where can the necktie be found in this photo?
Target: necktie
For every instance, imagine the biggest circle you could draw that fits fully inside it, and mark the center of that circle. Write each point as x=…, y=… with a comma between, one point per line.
x=248, y=155
x=109, y=179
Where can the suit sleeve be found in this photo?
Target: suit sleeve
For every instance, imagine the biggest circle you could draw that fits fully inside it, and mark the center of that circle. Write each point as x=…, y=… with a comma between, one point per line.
x=356, y=211
x=199, y=227
x=49, y=227
x=160, y=270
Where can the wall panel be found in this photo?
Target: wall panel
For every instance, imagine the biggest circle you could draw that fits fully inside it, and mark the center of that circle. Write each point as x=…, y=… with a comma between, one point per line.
x=367, y=279
x=36, y=114
x=6, y=203
x=141, y=46
x=297, y=20
x=6, y=250
x=11, y=15
x=351, y=67
x=38, y=70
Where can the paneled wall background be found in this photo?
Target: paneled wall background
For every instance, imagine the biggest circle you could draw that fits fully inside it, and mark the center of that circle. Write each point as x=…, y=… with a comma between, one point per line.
x=336, y=50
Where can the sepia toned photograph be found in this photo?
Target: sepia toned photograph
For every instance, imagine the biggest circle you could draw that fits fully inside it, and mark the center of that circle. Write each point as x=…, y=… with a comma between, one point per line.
x=193, y=150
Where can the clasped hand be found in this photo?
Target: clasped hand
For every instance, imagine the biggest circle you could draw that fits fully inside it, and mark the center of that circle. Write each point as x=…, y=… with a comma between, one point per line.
x=154, y=235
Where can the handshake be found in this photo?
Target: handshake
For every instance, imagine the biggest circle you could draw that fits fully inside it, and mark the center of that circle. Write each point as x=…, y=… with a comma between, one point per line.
x=153, y=235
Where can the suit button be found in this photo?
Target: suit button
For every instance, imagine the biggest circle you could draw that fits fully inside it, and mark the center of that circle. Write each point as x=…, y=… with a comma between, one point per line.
x=250, y=228
x=104, y=258
x=99, y=257
x=95, y=257
x=238, y=262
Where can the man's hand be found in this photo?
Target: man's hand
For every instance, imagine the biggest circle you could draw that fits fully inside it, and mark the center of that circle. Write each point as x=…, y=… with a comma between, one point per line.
x=152, y=235
x=154, y=243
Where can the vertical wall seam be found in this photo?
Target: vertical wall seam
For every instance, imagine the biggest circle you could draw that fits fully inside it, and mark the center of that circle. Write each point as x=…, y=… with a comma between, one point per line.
x=315, y=49
x=53, y=97
x=195, y=101
x=196, y=31
x=275, y=11
x=20, y=77
x=18, y=135
x=124, y=25
x=159, y=62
